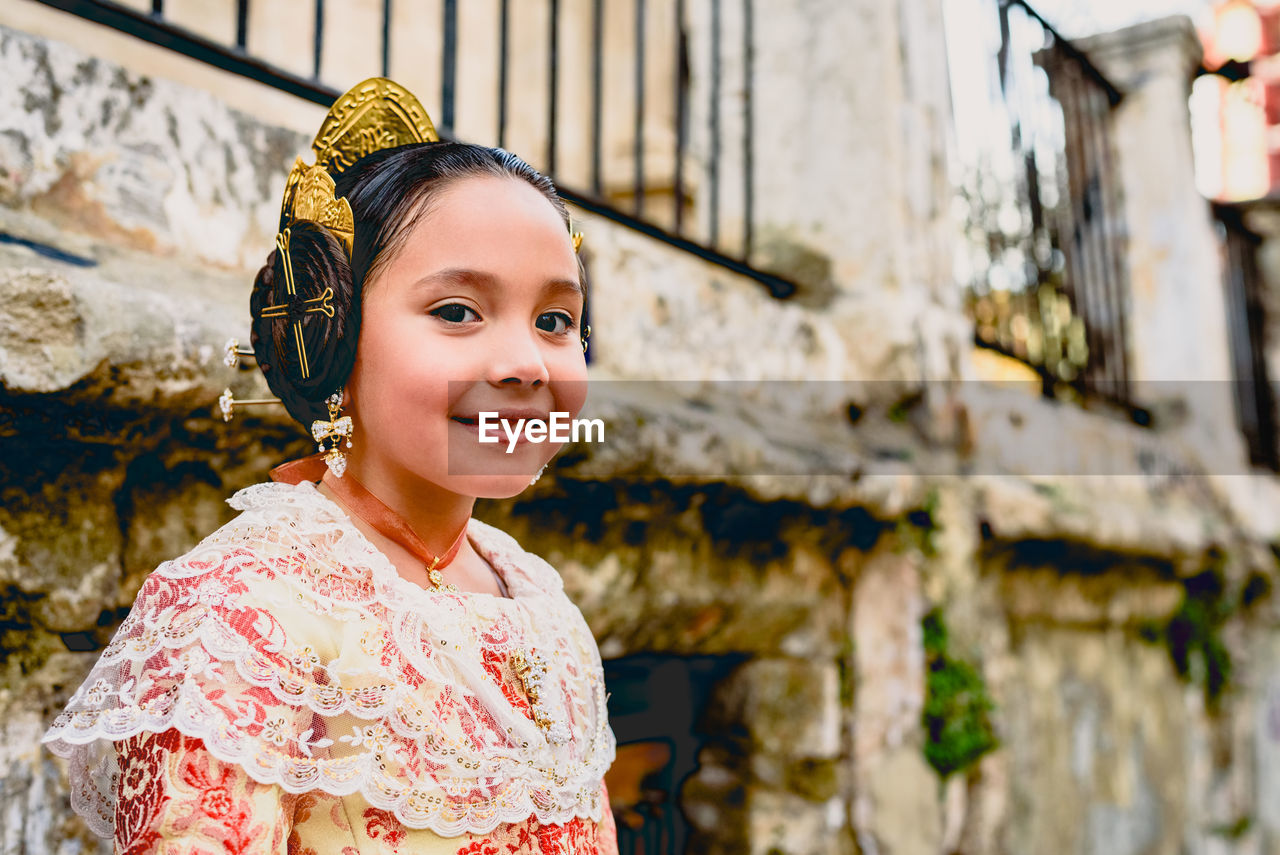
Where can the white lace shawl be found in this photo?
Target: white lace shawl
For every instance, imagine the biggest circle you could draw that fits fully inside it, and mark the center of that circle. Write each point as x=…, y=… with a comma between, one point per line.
x=291, y=646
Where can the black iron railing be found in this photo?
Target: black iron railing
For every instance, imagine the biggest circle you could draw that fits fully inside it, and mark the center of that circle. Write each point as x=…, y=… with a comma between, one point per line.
x=648, y=212
x=1246, y=324
x=1042, y=257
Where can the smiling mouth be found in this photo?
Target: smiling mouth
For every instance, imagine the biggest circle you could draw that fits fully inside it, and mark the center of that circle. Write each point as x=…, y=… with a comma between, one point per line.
x=511, y=417
x=504, y=435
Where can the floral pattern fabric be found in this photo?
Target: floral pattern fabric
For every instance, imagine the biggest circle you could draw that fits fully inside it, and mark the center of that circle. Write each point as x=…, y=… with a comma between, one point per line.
x=175, y=798
x=280, y=686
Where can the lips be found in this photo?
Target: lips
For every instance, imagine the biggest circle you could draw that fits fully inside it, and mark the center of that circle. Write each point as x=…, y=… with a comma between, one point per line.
x=509, y=416
x=509, y=422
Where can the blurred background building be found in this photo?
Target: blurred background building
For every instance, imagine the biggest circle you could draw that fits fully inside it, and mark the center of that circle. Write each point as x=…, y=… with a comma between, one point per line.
x=939, y=511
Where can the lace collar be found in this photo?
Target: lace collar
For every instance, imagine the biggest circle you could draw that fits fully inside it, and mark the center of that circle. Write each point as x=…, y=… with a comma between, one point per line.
x=524, y=573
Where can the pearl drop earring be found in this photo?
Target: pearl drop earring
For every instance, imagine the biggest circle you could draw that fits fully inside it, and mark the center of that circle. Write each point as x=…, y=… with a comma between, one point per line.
x=334, y=430
x=539, y=475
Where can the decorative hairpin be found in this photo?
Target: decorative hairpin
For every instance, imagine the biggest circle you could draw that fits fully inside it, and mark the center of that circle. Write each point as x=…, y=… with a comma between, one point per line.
x=232, y=352
x=322, y=304
x=282, y=311
x=575, y=234
x=227, y=403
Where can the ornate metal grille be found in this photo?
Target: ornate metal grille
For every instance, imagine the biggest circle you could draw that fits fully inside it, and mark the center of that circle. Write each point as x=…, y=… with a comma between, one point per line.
x=1246, y=322
x=1042, y=251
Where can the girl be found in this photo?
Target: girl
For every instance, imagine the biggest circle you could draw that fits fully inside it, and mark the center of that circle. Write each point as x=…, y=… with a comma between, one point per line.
x=355, y=664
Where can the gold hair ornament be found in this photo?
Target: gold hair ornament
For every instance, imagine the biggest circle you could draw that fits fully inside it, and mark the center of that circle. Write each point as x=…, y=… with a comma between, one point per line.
x=321, y=304
x=375, y=114
x=576, y=236
x=309, y=196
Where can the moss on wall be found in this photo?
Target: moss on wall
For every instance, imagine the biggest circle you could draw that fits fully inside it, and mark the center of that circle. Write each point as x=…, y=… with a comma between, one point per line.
x=957, y=705
x=1194, y=635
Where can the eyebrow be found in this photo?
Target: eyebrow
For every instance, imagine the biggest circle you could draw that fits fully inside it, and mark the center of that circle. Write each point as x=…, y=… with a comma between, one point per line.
x=483, y=281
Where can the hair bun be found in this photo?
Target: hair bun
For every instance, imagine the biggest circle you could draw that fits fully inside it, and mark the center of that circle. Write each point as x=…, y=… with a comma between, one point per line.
x=302, y=345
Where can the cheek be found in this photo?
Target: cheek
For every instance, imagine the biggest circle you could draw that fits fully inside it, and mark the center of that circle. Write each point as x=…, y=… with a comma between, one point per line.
x=569, y=386
x=398, y=377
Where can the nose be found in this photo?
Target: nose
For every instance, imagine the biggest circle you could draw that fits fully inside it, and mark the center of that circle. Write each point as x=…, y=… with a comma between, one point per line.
x=518, y=361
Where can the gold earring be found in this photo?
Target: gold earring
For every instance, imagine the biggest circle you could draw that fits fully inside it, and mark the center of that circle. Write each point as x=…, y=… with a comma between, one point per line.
x=334, y=430
x=586, y=333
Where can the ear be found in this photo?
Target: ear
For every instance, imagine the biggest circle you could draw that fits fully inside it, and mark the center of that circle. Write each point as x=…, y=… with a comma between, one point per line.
x=349, y=394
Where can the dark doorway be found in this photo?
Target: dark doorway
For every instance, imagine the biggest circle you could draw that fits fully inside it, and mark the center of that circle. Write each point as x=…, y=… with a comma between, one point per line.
x=655, y=705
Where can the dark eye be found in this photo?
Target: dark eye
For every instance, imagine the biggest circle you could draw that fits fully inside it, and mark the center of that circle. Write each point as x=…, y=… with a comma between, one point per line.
x=566, y=322
x=454, y=313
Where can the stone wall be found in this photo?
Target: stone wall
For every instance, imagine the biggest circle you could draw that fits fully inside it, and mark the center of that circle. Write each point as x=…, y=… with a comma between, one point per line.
x=948, y=640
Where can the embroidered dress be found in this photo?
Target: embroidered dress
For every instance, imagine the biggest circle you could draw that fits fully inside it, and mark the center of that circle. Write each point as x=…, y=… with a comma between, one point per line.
x=281, y=689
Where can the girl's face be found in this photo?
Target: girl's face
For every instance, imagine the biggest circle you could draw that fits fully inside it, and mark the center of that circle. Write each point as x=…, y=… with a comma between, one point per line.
x=480, y=310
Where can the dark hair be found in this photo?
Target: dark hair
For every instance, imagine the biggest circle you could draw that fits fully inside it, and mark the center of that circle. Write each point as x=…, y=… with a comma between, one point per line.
x=389, y=192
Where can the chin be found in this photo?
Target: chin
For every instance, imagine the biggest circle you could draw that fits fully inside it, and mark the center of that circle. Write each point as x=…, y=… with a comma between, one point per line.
x=490, y=474
x=490, y=486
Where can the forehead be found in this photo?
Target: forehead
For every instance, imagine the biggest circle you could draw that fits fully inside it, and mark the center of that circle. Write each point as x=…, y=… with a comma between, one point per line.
x=499, y=224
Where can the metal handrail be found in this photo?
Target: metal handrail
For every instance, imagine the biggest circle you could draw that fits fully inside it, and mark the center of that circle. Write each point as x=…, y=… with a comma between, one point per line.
x=155, y=29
